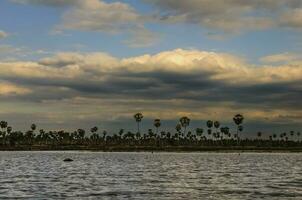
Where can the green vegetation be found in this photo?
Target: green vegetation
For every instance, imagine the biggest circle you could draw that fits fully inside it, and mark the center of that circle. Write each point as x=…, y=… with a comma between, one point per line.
x=217, y=138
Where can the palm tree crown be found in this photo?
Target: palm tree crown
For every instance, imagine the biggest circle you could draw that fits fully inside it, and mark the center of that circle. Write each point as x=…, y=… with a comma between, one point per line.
x=209, y=123
x=216, y=124
x=238, y=119
x=184, y=122
x=157, y=124
x=138, y=118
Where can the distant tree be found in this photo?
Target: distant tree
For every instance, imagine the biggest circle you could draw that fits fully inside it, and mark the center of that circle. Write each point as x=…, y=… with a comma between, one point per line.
x=121, y=132
x=94, y=129
x=178, y=130
x=3, y=125
x=138, y=135
x=209, y=125
x=274, y=136
x=9, y=129
x=217, y=125
x=104, y=135
x=238, y=119
x=259, y=134
x=292, y=133
x=33, y=127
x=224, y=131
x=199, y=132
x=157, y=124
x=81, y=134
x=138, y=118
x=185, y=122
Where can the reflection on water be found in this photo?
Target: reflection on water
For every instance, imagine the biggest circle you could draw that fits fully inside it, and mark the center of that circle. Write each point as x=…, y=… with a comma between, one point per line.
x=96, y=175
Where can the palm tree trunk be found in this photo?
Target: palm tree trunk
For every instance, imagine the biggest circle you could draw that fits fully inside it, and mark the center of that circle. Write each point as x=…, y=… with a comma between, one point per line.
x=238, y=138
x=138, y=127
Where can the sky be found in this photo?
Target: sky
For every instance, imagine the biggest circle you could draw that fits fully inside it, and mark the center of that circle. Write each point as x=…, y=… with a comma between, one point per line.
x=68, y=64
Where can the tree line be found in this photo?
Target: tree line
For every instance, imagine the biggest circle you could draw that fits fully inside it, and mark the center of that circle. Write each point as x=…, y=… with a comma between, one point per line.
x=213, y=135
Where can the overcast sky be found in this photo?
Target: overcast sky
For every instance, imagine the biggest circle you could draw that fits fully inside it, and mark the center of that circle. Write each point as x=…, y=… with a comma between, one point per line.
x=78, y=63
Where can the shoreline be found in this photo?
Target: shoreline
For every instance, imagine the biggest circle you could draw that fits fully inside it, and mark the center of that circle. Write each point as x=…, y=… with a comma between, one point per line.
x=179, y=149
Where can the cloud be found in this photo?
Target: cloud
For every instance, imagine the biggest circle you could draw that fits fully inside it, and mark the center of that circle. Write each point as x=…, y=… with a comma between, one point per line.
x=100, y=16
x=142, y=37
x=112, y=18
x=3, y=34
x=281, y=58
x=292, y=19
x=95, y=15
x=8, y=89
x=225, y=18
x=48, y=2
x=83, y=88
x=232, y=16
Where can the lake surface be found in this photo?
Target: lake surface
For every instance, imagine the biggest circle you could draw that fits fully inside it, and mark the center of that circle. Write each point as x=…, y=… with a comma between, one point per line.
x=97, y=175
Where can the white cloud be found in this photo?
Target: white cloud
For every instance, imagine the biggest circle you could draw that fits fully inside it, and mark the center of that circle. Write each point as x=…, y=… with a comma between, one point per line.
x=232, y=16
x=226, y=17
x=100, y=16
x=95, y=15
x=281, y=58
x=112, y=18
x=217, y=66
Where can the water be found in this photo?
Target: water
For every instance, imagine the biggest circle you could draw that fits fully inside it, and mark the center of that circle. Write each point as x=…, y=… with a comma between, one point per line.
x=97, y=175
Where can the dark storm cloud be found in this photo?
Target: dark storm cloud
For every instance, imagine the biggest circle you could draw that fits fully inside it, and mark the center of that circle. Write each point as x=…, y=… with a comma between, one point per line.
x=168, y=85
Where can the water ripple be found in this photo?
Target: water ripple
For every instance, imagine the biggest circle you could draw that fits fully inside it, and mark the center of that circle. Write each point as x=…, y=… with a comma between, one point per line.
x=96, y=175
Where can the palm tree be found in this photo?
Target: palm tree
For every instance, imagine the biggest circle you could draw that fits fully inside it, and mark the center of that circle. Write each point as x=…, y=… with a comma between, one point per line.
x=184, y=121
x=199, y=131
x=217, y=125
x=178, y=129
x=224, y=131
x=94, y=136
x=121, y=132
x=33, y=127
x=9, y=129
x=270, y=137
x=94, y=129
x=209, y=125
x=138, y=118
x=104, y=135
x=138, y=136
x=292, y=135
x=274, y=136
x=238, y=119
x=259, y=134
x=157, y=124
x=3, y=125
x=81, y=134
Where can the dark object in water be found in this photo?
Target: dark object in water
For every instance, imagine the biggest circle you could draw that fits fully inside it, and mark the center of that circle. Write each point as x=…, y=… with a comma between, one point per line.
x=67, y=160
